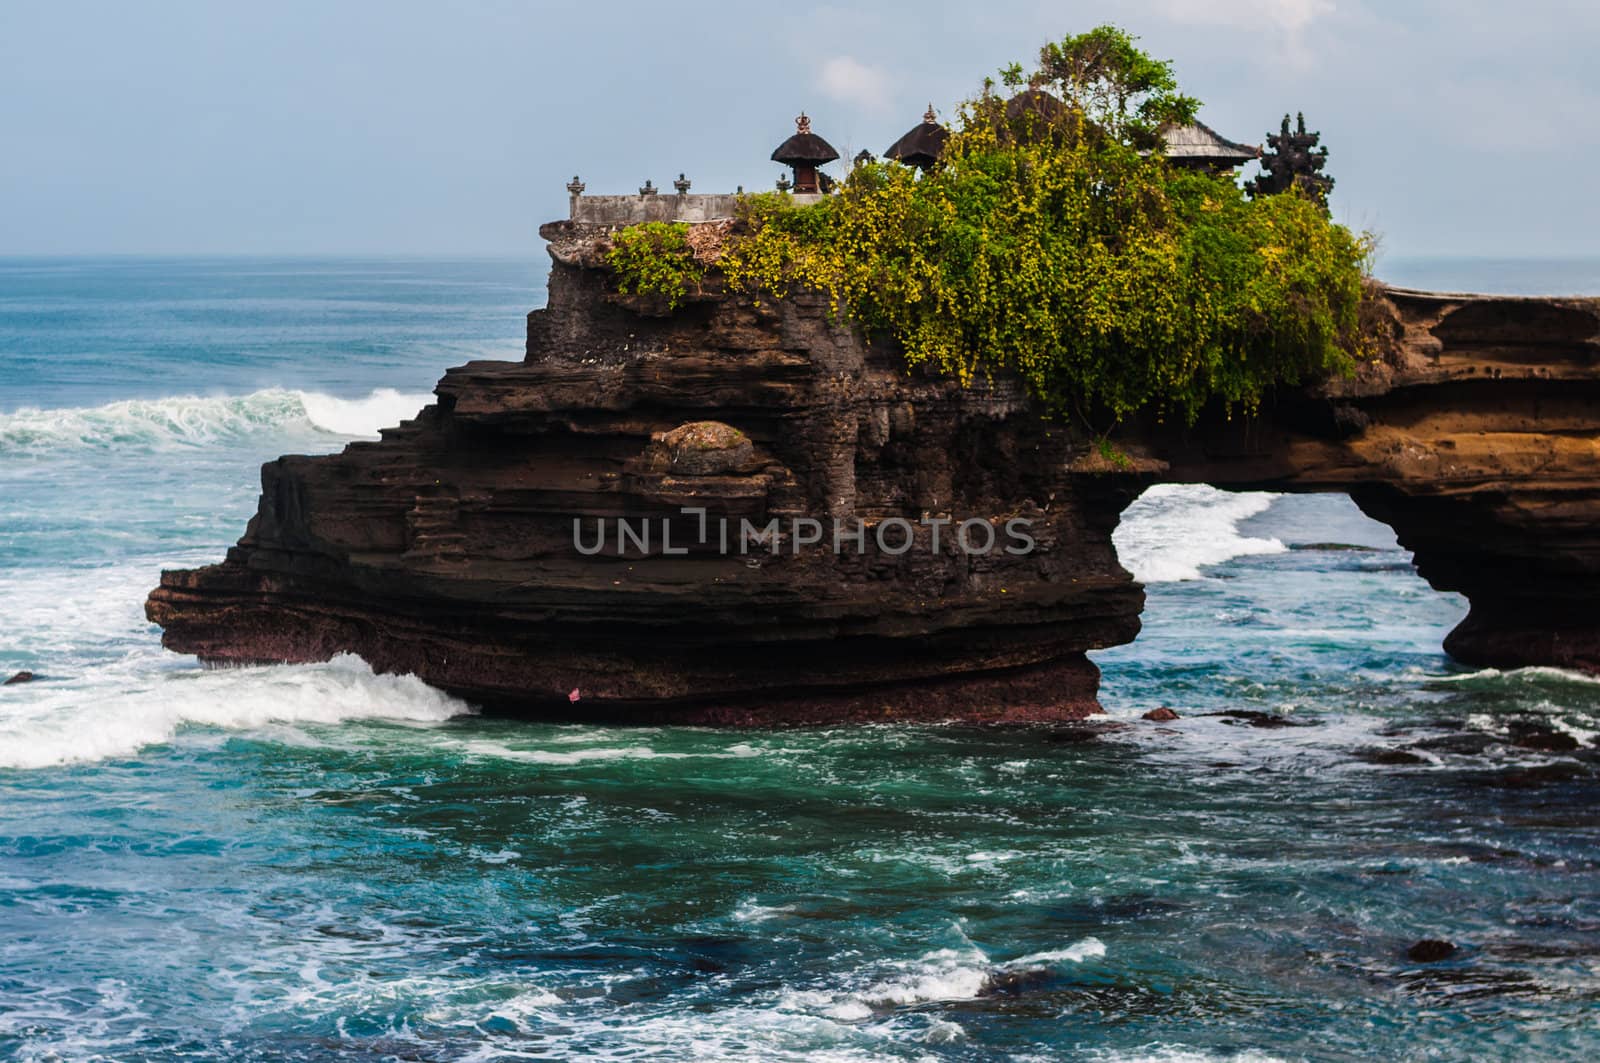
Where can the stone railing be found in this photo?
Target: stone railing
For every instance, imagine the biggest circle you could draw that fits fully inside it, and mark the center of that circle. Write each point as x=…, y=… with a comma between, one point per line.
x=651, y=204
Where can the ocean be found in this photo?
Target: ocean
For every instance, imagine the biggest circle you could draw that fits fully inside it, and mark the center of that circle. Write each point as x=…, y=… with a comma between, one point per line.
x=316, y=863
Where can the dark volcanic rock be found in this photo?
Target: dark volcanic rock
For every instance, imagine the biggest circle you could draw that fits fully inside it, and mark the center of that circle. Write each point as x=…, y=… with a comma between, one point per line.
x=457, y=547
x=1256, y=719
x=451, y=548
x=1476, y=444
x=1430, y=950
x=1390, y=756
x=20, y=677
x=1161, y=715
x=1531, y=734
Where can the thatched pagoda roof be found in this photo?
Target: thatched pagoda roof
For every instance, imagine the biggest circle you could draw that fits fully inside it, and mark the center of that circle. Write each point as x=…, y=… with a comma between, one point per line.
x=805, y=148
x=923, y=144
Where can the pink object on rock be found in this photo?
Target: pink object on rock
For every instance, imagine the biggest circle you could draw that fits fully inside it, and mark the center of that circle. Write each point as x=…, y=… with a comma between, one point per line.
x=574, y=696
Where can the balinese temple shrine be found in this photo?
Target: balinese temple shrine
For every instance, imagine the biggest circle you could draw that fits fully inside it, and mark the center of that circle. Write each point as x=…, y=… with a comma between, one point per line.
x=805, y=151
x=922, y=145
x=1197, y=146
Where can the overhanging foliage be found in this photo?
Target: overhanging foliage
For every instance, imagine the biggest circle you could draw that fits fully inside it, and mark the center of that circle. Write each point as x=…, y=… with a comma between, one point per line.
x=1049, y=243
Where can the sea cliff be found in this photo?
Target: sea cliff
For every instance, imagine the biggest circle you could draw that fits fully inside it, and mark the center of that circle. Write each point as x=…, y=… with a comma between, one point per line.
x=459, y=547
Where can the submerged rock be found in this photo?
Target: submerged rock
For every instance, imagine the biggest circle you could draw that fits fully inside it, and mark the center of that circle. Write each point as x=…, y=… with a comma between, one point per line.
x=1532, y=734
x=1390, y=757
x=1256, y=718
x=1073, y=736
x=1430, y=950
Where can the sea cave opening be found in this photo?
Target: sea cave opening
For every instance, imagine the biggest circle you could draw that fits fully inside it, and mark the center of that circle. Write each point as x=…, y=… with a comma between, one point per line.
x=1273, y=603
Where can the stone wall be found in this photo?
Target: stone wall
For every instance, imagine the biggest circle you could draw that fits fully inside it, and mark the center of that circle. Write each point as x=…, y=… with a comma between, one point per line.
x=631, y=210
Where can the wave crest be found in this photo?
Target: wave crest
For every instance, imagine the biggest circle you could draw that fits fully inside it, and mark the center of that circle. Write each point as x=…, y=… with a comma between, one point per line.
x=195, y=420
x=1173, y=530
x=46, y=724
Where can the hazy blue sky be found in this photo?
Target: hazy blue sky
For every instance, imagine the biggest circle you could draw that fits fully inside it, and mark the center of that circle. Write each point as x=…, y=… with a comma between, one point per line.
x=1456, y=126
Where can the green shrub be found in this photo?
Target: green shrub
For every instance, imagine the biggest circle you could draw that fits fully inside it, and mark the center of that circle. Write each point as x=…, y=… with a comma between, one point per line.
x=654, y=258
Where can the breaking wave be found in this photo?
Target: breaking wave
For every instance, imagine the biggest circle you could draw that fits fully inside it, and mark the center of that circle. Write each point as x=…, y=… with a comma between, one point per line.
x=1533, y=675
x=195, y=420
x=1172, y=531
x=48, y=723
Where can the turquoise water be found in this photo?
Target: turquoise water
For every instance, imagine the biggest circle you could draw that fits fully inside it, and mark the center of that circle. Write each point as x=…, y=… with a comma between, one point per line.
x=317, y=863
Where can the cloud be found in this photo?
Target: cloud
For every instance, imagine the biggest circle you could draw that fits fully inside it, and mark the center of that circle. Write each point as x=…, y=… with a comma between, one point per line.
x=1288, y=18
x=848, y=80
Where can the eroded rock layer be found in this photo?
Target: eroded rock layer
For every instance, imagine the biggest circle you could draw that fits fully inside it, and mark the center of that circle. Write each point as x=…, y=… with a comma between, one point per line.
x=448, y=548
x=1477, y=438
x=461, y=547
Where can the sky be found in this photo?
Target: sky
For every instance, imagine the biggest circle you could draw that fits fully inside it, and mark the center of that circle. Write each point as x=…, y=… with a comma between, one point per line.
x=1455, y=127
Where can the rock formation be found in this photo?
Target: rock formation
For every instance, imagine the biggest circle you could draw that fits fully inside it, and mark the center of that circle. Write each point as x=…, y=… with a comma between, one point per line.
x=448, y=548
x=462, y=546
x=1476, y=436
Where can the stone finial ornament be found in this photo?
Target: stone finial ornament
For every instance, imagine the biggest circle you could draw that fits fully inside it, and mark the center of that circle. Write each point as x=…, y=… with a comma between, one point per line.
x=648, y=189
x=682, y=185
x=575, y=187
x=784, y=184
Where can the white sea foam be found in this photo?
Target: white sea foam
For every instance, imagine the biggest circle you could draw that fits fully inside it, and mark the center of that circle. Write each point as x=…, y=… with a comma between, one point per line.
x=566, y=758
x=1531, y=675
x=945, y=974
x=950, y=974
x=751, y=912
x=1087, y=949
x=1169, y=1053
x=63, y=620
x=58, y=722
x=1172, y=531
x=384, y=408
x=196, y=420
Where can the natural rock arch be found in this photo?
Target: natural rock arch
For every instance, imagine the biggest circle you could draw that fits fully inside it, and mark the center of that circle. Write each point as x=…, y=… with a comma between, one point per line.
x=1477, y=439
